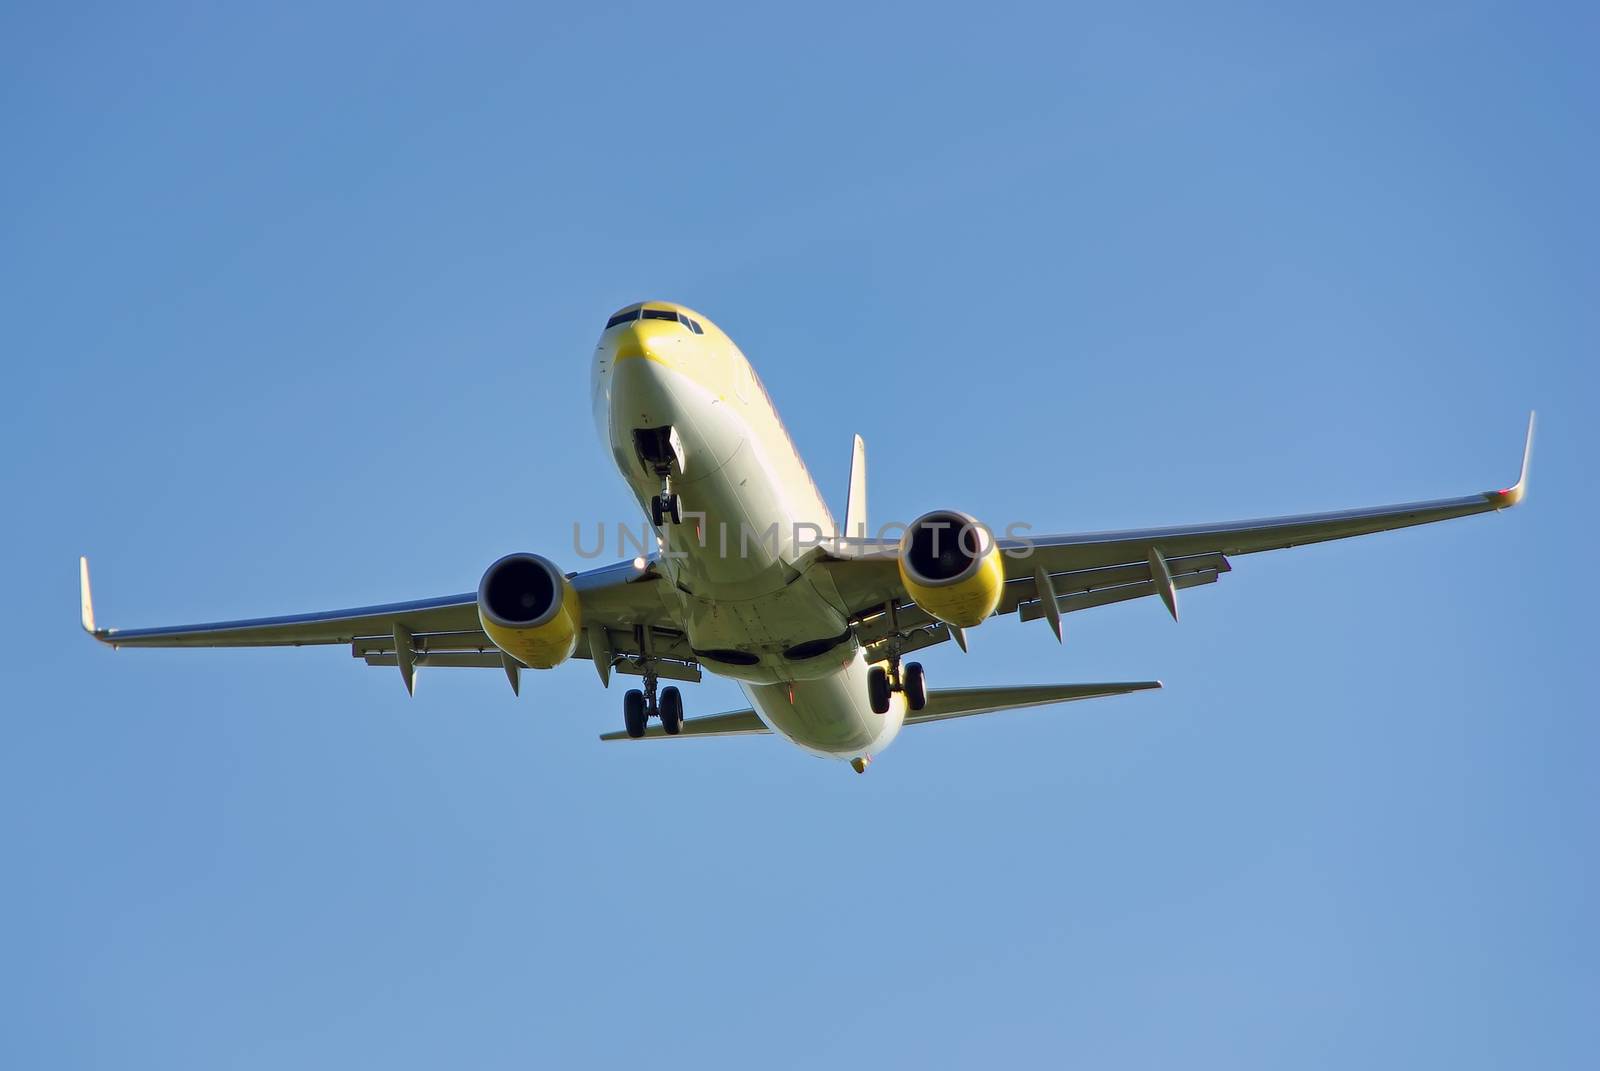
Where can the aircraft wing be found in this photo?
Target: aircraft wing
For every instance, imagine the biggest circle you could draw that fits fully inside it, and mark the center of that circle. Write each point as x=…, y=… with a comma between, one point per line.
x=1081, y=571
x=618, y=602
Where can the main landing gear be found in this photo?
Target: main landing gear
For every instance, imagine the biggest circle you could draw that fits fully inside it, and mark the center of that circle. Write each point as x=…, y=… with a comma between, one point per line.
x=881, y=683
x=911, y=681
x=638, y=707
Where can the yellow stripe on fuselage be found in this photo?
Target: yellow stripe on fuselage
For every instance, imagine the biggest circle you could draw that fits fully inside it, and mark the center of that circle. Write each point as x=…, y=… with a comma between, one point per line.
x=710, y=360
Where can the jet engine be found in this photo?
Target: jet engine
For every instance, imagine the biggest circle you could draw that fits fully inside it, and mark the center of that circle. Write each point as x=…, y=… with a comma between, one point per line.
x=530, y=610
x=951, y=567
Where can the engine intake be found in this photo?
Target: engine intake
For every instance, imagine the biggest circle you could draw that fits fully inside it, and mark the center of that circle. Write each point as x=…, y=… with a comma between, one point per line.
x=530, y=610
x=951, y=567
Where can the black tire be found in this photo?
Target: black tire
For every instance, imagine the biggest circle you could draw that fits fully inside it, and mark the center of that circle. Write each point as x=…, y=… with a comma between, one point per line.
x=676, y=509
x=671, y=704
x=633, y=715
x=878, y=689
x=915, y=684
x=657, y=511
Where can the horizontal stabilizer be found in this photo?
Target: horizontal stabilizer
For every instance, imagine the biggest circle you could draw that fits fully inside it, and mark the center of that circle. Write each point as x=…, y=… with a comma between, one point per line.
x=942, y=704
x=964, y=702
x=733, y=723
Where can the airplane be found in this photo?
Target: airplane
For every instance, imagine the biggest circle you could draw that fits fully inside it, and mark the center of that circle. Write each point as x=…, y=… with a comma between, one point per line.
x=751, y=577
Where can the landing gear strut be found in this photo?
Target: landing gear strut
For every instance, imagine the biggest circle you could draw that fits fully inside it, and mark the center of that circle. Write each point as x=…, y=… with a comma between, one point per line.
x=655, y=447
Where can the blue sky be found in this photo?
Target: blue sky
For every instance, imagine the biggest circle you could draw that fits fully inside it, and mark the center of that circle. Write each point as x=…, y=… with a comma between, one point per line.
x=296, y=307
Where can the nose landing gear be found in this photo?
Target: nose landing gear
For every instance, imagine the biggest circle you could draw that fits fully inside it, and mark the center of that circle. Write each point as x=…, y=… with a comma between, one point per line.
x=659, y=452
x=665, y=507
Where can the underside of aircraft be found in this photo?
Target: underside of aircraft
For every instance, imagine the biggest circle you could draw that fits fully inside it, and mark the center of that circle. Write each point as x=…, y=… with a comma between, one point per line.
x=751, y=577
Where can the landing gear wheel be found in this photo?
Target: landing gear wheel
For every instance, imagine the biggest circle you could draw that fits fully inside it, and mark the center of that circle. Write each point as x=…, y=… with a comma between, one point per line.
x=671, y=704
x=878, y=689
x=915, y=684
x=664, y=508
x=633, y=713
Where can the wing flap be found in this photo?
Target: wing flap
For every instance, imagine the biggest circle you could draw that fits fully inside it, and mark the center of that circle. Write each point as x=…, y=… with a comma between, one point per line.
x=1085, y=600
x=446, y=659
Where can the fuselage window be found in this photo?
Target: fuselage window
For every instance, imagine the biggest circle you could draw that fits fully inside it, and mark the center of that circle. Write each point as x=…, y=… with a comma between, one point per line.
x=622, y=318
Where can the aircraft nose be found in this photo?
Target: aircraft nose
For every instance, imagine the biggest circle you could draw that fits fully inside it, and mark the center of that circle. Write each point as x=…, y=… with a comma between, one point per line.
x=649, y=339
x=643, y=393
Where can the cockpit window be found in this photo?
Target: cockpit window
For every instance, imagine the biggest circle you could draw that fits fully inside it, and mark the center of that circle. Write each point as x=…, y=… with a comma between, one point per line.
x=653, y=314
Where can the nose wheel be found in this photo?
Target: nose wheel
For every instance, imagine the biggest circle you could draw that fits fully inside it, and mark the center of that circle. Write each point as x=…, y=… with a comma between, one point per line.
x=912, y=682
x=666, y=507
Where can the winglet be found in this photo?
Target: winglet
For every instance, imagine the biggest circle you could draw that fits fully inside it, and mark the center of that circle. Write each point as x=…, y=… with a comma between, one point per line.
x=85, y=602
x=1510, y=496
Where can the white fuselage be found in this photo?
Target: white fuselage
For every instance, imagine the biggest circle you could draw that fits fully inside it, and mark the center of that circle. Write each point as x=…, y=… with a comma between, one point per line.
x=750, y=511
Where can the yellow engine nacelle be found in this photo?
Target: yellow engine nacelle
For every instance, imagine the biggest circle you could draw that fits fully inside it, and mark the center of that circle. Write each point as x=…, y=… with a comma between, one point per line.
x=951, y=567
x=530, y=610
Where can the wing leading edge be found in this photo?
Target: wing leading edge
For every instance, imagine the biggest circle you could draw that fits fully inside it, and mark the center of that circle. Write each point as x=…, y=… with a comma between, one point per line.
x=448, y=613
